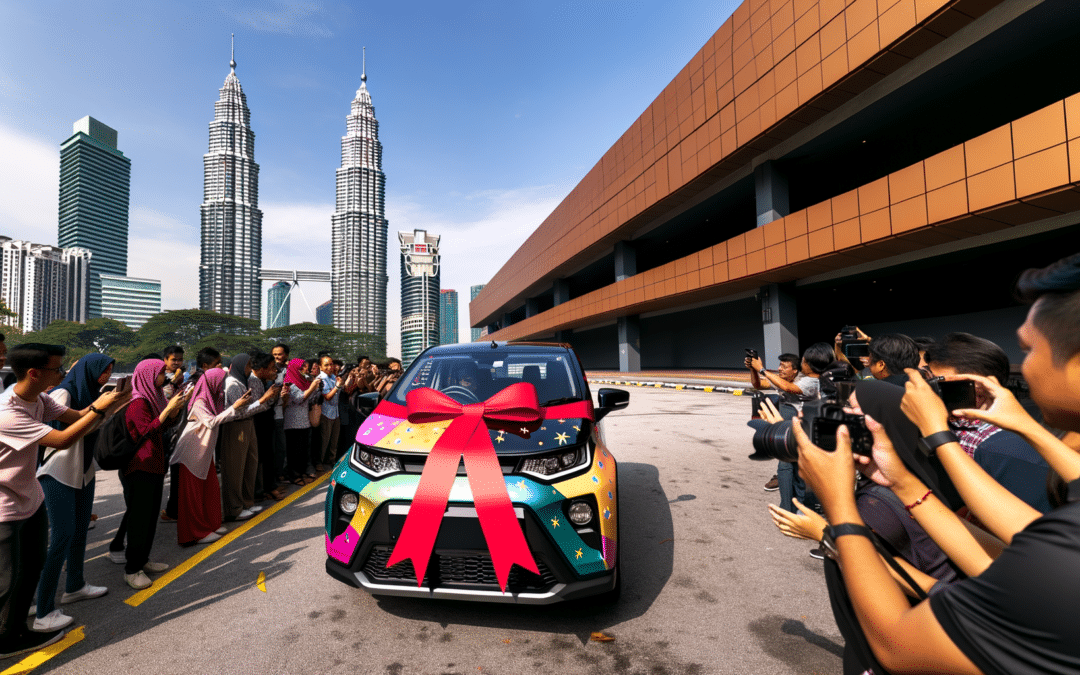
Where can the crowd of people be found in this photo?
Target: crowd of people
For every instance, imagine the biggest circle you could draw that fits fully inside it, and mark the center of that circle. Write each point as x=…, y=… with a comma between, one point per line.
x=230, y=436
x=954, y=548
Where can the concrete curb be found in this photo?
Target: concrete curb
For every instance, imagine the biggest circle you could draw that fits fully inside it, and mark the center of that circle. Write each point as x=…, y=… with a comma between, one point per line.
x=711, y=389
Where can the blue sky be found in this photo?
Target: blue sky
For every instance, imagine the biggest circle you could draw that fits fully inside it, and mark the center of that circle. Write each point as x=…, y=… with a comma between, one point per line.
x=489, y=113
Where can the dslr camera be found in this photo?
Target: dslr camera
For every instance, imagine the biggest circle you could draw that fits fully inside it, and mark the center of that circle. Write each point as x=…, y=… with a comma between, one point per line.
x=851, y=344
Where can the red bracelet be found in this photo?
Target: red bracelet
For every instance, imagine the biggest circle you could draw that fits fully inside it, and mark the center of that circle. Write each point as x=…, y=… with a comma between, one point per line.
x=918, y=501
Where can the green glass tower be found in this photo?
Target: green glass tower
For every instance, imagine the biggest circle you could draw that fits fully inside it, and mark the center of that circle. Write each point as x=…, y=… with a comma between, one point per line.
x=95, y=178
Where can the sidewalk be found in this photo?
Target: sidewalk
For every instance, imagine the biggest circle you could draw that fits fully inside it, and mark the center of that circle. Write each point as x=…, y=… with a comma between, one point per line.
x=723, y=381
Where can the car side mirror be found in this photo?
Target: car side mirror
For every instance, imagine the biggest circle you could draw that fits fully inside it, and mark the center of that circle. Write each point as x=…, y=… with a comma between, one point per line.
x=611, y=400
x=365, y=403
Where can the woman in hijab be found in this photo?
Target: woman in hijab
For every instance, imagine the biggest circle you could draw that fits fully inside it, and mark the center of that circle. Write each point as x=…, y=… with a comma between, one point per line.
x=144, y=477
x=239, y=443
x=67, y=478
x=295, y=394
x=199, y=511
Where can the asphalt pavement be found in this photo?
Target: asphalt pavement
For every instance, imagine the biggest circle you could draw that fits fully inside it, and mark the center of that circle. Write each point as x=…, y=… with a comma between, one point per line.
x=710, y=586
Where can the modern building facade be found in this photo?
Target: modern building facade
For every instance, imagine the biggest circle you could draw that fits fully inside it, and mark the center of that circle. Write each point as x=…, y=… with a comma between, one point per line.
x=278, y=304
x=231, y=241
x=448, y=317
x=130, y=300
x=892, y=165
x=476, y=333
x=419, y=293
x=42, y=283
x=95, y=181
x=324, y=313
x=358, y=225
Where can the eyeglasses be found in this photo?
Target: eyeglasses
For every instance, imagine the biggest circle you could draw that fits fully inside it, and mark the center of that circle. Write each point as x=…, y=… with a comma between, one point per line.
x=59, y=370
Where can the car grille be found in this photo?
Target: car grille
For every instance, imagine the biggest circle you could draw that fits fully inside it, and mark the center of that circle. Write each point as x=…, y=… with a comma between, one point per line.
x=471, y=569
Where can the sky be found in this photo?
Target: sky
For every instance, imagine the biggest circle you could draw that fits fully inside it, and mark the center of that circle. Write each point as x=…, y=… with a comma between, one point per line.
x=489, y=115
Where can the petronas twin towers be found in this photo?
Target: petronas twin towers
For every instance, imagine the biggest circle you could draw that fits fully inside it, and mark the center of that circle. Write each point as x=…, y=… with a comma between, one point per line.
x=232, y=222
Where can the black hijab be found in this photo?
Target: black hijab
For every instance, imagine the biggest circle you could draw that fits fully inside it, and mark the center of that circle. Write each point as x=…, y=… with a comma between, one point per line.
x=237, y=368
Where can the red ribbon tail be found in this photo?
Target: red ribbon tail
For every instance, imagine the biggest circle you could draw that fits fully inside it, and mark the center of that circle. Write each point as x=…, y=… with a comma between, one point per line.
x=421, y=527
x=495, y=510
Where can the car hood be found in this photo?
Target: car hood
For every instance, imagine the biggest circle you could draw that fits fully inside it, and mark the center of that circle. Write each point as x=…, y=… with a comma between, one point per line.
x=393, y=433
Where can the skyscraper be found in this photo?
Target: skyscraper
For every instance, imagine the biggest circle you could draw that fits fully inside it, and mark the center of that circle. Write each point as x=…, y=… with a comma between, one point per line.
x=358, y=226
x=419, y=293
x=130, y=300
x=448, y=317
x=95, y=178
x=43, y=283
x=324, y=313
x=278, y=304
x=476, y=333
x=231, y=220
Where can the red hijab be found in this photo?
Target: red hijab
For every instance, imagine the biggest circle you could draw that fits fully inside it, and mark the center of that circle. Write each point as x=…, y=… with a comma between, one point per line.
x=294, y=377
x=210, y=389
x=144, y=384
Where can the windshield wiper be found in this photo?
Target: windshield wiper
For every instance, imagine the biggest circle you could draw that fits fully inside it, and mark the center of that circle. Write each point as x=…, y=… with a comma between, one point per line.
x=559, y=401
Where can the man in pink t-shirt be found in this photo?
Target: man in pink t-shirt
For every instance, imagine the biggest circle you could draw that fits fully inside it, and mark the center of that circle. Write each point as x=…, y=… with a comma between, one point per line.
x=25, y=409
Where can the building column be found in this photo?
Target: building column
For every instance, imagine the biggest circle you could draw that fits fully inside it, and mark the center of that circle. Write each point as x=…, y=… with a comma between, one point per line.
x=780, y=322
x=492, y=327
x=532, y=307
x=625, y=260
x=506, y=320
x=629, y=344
x=561, y=290
x=770, y=193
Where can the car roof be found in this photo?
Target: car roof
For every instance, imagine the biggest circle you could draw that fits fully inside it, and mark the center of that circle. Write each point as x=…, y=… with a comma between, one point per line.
x=472, y=347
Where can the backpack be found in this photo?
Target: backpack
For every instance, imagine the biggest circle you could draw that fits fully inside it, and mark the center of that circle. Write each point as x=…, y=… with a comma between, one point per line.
x=115, y=447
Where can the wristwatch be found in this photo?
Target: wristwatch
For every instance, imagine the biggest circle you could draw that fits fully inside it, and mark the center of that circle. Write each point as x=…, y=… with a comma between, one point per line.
x=762, y=372
x=930, y=444
x=834, y=532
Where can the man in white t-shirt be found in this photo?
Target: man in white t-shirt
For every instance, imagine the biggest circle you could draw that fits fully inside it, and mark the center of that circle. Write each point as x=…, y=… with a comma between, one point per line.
x=25, y=409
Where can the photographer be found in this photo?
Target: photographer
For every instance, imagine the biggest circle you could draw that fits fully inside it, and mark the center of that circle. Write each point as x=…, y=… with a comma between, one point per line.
x=1015, y=617
x=788, y=371
x=890, y=355
x=1007, y=457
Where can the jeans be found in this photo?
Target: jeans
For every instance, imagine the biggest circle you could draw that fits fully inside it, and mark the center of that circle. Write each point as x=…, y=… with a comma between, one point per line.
x=69, y=515
x=787, y=474
x=23, y=544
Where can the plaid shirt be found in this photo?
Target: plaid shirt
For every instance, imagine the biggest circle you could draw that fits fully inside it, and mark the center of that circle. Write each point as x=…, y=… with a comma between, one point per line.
x=972, y=433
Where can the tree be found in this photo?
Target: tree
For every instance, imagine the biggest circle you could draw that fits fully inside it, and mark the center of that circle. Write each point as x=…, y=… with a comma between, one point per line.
x=305, y=340
x=186, y=327
x=231, y=345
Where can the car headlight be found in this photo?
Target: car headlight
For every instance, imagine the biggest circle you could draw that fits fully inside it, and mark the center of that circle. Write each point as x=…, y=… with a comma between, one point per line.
x=348, y=502
x=555, y=464
x=374, y=463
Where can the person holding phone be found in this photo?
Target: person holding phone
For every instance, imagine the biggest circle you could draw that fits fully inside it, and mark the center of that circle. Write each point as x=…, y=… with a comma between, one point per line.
x=239, y=442
x=296, y=393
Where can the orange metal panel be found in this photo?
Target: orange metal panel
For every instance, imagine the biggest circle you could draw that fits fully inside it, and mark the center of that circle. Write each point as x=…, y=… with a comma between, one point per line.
x=845, y=206
x=847, y=234
x=945, y=167
x=874, y=196
x=755, y=262
x=896, y=21
x=773, y=232
x=908, y=215
x=859, y=15
x=875, y=225
x=1042, y=171
x=990, y=150
x=906, y=183
x=864, y=46
x=1040, y=130
x=947, y=202
x=819, y=216
x=755, y=240
x=821, y=242
x=991, y=187
x=798, y=249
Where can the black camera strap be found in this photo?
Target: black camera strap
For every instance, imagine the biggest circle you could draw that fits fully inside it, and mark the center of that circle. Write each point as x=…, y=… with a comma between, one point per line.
x=890, y=554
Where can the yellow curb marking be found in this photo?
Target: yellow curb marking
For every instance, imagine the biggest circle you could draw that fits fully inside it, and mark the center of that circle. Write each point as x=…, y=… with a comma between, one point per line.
x=42, y=655
x=260, y=583
x=186, y=566
x=708, y=389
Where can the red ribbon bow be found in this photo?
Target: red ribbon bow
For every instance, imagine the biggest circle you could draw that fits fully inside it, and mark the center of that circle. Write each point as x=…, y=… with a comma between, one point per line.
x=468, y=435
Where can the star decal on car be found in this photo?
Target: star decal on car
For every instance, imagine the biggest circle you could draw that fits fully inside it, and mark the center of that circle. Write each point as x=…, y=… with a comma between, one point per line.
x=562, y=438
x=578, y=553
x=554, y=522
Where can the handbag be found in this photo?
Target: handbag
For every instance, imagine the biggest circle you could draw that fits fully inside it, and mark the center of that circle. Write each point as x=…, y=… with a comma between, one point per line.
x=315, y=415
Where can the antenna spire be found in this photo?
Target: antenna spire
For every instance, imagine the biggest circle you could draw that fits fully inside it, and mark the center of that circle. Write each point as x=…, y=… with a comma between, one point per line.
x=232, y=59
x=363, y=75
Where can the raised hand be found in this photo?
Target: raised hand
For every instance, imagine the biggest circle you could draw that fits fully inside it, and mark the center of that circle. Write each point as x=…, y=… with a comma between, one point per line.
x=243, y=400
x=805, y=525
x=922, y=405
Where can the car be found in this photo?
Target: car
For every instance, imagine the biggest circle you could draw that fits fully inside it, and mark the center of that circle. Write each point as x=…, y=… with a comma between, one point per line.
x=396, y=501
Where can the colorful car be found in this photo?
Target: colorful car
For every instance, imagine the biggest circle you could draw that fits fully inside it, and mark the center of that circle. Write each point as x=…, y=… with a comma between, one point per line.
x=530, y=516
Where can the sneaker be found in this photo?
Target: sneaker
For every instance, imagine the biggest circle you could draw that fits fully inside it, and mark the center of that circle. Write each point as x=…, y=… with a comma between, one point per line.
x=138, y=581
x=212, y=537
x=155, y=567
x=54, y=620
x=245, y=514
x=30, y=642
x=166, y=518
x=118, y=557
x=221, y=530
x=817, y=553
x=254, y=509
x=87, y=592
x=773, y=484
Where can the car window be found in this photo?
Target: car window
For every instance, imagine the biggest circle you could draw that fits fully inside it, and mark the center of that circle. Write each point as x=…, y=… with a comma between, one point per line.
x=473, y=377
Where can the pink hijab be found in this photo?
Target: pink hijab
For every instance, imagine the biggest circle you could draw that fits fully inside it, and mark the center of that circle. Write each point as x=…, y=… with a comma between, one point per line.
x=293, y=376
x=210, y=389
x=144, y=384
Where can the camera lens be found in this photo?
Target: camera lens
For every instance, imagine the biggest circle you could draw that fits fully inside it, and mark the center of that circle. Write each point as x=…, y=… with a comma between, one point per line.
x=774, y=441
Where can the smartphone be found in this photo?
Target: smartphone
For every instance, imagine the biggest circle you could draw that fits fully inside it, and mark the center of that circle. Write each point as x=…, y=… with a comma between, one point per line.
x=957, y=394
x=757, y=399
x=751, y=353
x=856, y=350
x=188, y=387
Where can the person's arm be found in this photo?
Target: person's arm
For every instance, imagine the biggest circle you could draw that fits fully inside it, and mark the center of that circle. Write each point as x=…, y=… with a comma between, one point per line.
x=775, y=380
x=755, y=379
x=82, y=422
x=904, y=639
x=1001, y=511
x=315, y=385
x=329, y=395
x=1007, y=413
x=106, y=403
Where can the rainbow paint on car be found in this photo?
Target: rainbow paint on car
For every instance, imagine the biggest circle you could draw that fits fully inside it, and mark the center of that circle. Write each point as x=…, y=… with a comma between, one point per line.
x=575, y=559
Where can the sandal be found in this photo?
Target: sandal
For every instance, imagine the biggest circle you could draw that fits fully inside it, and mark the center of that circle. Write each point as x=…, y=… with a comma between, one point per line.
x=299, y=480
x=276, y=495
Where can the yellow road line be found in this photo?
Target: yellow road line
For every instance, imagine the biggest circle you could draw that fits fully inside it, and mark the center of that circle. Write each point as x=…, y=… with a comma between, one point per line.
x=42, y=655
x=186, y=566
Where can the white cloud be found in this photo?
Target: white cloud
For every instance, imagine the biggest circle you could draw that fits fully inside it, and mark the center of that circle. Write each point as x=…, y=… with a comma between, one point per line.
x=29, y=187
x=297, y=19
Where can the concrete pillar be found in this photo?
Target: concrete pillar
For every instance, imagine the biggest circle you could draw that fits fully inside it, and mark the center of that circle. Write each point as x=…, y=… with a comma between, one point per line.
x=625, y=260
x=532, y=307
x=506, y=320
x=561, y=291
x=492, y=327
x=779, y=321
x=629, y=344
x=770, y=193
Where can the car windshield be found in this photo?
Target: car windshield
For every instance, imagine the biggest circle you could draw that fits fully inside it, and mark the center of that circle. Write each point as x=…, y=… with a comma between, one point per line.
x=471, y=376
